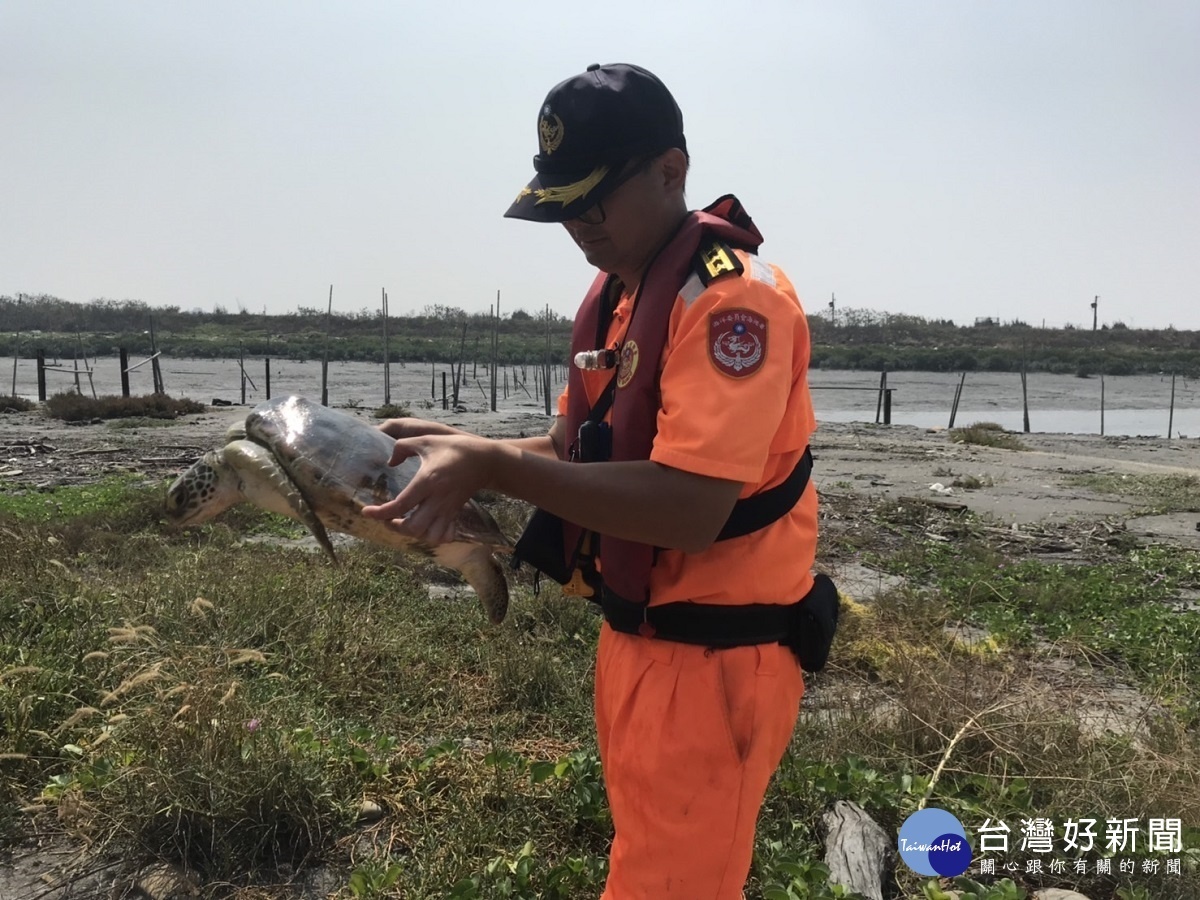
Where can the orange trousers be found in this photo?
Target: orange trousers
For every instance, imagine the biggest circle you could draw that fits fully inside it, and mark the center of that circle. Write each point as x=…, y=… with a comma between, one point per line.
x=689, y=739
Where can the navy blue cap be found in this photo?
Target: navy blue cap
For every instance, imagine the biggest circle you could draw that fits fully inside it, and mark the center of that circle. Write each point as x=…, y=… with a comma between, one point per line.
x=588, y=127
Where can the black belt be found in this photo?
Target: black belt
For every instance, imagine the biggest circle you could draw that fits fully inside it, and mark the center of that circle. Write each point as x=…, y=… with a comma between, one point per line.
x=701, y=623
x=806, y=626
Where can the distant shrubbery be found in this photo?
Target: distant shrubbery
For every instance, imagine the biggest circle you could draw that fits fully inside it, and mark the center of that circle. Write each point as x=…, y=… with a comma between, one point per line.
x=15, y=404
x=78, y=408
x=392, y=411
x=986, y=434
x=860, y=339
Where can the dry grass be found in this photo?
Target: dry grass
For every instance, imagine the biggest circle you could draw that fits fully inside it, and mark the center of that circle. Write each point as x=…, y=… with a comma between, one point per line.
x=78, y=408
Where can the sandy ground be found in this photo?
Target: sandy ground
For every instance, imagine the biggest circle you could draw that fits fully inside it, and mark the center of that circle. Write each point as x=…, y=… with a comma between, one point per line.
x=1017, y=486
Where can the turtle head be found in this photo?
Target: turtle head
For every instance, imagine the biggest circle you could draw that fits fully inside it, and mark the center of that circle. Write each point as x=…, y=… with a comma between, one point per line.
x=209, y=487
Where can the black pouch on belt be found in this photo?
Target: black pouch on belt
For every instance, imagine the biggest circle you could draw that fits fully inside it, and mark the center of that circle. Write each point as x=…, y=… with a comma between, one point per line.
x=815, y=624
x=541, y=545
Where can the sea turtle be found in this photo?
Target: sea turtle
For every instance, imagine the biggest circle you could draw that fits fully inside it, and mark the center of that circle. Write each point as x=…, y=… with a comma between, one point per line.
x=321, y=467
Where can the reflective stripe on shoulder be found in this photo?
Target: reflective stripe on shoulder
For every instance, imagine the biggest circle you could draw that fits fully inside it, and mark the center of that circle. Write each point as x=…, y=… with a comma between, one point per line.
x=692, y=288
x=761, y=271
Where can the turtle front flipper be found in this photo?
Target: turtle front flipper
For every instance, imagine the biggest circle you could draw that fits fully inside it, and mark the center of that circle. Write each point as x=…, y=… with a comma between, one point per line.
x=267, y=485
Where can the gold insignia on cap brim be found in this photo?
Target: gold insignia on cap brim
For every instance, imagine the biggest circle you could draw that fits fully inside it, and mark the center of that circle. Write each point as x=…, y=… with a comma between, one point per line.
x=550, y=132
x=569, y=193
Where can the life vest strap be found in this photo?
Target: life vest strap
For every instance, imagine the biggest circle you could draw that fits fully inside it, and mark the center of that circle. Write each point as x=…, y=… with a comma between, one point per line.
x=760, y=510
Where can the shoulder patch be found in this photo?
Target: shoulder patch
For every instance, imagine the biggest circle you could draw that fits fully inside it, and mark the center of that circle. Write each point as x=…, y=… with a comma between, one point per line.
x=737, y=341
x=715, y=259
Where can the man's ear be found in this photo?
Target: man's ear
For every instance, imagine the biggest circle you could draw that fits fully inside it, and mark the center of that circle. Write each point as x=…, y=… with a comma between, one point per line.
x=674, y=167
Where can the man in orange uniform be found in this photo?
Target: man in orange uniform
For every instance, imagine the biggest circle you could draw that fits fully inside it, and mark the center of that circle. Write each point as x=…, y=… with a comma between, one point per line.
x=691, y=519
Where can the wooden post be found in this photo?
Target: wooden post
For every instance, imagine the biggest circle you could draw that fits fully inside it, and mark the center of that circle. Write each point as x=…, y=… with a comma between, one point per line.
x=887, y=407
x=325, y=355
x=124, y=372
x=1171, y=414
x=496, y=349
x=433, y=381
x=460, y=373
x=41, y=375
x=444, y=406
x=155, y=368
x=87, y=369
x=1101, y=404
x=387, y=372
x=16, y=356
x=957, y=395
x=242, y=371
x=545, y=379
x=1024, y=390
x=267, y=376
x=879, y=399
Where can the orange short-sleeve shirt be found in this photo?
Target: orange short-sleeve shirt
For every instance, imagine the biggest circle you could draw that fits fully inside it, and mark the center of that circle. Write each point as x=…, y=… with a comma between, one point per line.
x=733, y=379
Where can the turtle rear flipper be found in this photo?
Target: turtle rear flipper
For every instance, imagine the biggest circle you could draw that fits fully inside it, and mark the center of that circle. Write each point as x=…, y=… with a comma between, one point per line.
x=482, y=572
x=267, y=485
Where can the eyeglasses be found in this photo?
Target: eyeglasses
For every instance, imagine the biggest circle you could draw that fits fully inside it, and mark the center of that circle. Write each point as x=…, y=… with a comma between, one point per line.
x=594, y=214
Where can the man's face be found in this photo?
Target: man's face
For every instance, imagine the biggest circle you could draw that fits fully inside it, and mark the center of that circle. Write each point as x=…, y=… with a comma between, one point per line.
x=632, y=226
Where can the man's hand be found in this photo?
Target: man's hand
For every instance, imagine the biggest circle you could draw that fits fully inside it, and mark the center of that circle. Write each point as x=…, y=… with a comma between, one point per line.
x=454, y=466
x=411, y=426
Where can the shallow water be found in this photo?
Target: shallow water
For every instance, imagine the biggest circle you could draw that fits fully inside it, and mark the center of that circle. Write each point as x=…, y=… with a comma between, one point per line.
x=1133, y=405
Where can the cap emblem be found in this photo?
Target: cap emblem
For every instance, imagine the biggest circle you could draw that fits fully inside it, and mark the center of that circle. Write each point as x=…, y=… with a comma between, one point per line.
x=550, y=131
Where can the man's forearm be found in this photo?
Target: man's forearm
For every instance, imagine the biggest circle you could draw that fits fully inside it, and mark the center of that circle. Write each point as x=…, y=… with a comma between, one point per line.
x=637, y=500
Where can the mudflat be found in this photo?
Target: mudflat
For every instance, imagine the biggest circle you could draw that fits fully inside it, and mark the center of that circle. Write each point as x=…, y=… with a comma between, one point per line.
x=1054, y=478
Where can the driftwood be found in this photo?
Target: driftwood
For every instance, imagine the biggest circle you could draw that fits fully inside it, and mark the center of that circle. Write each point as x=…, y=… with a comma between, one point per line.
x=857, y=850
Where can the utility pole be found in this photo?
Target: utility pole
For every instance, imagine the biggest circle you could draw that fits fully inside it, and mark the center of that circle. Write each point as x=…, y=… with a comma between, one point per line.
x=833, y=309
x=1095, y=314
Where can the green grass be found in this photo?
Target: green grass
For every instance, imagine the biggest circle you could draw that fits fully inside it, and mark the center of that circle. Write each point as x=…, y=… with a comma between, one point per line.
x=112, y=497
x=188, y=697
x=1118, y=613
x=1157, y=494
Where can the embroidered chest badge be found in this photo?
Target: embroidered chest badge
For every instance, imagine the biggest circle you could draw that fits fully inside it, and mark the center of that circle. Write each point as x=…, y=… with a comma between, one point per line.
x=629, y=363
x=737, y=341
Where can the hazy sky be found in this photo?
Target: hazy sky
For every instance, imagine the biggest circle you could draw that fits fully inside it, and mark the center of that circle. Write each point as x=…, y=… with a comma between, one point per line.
x=947, y=159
